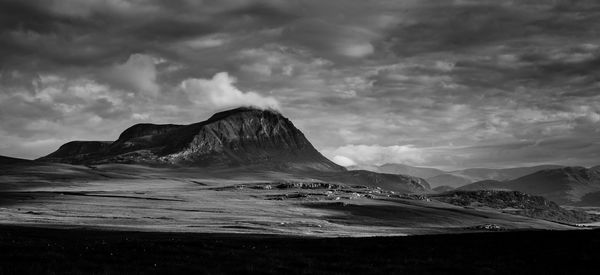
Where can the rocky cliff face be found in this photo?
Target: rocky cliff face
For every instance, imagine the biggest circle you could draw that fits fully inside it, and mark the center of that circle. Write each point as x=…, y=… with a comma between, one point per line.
x=236, y=137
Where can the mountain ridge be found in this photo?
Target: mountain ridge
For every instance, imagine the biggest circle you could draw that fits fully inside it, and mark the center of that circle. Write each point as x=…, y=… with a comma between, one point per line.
x=228, y=138
x=565, y=185
x=5, y=160
x=457, y=178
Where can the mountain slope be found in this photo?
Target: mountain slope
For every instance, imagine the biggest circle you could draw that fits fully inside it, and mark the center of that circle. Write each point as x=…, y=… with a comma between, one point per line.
x=4, y=160
x=517, y=203
x=76, y=151
x=463, y=177
x=502, y=174
x=455, y=179
x=451, y=180
x=409, y=184
x=421, y=172
x=565, y=185
x=241, y=142
x=236, y=137
x=484, y=185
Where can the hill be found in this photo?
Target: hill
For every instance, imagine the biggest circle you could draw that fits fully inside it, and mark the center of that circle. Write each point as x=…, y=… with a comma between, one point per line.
x=502, y=174
x=455, y=179
x=421, y=172
x=231, y=138
x=448, y=179
x=463, y=177
x=442, y=189
x=4, y=160
x=484, y=185
x=517, y=203
x=567, y=185
x=243, y=141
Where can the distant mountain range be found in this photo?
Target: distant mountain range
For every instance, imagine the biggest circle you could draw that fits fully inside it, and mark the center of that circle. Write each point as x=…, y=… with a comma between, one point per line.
x=517, y=203
x=421, y=172
x=566, y=185
x=454, y=179
x=563, y=185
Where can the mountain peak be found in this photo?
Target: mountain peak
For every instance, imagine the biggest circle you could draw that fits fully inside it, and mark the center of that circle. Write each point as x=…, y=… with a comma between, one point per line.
x=240, y=136
x=144, y=129
x=246, y=110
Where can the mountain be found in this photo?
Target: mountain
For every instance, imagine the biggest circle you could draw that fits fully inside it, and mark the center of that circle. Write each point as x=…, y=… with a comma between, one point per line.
x=76, y=151
x=454, y=179
x=501, y=174
x=566, y=185
x=442, y=189
x=235, y=137
x=247, y=140
x=400, y=169
x=463, y=177
x=4, y=160
x=448, y=179
x=517, y=203
x=590, y=199
x=409, y=184
x=372, y=168
x=483, y=185
x=421, y=172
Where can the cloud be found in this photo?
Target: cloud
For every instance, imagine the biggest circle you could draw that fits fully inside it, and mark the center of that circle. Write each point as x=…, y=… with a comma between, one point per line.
x=463, y=81
x=275, y=63
x=376, y=154
x=220, y=92
x=332, y=40
x=138, y=73
x=206, y=42
x=343, y=161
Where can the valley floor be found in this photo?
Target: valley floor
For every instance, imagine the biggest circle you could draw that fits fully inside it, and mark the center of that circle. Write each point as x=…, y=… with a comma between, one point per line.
x=33, y=250
x=138, y=198
x=129, y=219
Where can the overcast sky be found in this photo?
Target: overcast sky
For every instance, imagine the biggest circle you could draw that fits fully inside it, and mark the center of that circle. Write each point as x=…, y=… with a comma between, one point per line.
x=448, y=84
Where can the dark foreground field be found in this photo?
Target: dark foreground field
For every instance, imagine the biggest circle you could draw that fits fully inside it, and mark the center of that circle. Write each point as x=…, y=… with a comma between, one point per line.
x=28, y=250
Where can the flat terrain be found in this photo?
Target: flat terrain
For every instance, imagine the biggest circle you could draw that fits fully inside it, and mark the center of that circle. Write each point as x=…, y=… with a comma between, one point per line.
x=30, y=250
x=128, y=219
x=128, y=197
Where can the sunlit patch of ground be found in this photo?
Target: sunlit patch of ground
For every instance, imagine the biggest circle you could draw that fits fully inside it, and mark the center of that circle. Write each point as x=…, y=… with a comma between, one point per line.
x=124, y=197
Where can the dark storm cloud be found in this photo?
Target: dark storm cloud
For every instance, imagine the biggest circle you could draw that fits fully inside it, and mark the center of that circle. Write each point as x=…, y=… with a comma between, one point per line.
x=263, y=13
x=452, y=29
x=425, y=82
x=34, y=35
